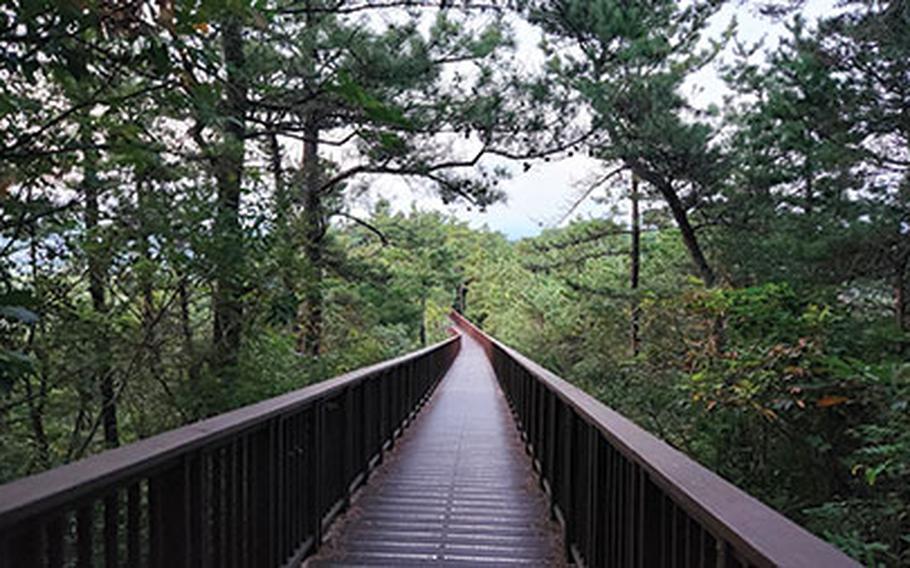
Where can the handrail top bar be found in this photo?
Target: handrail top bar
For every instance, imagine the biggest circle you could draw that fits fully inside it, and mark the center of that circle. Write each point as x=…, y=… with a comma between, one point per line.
x=44, y=491
x=767, y=537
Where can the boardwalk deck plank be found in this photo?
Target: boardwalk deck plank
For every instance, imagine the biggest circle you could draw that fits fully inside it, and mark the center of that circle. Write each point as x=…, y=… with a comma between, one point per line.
x=457, y=490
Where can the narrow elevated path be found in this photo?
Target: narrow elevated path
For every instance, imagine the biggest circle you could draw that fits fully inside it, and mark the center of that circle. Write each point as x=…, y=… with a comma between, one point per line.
x=457, y=490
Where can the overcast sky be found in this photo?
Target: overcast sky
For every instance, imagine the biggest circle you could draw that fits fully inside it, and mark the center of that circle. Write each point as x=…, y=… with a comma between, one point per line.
x=539, y=198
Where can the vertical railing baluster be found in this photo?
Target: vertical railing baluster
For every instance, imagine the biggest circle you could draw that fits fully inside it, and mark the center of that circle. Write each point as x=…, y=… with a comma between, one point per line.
x=237, y=539
x=686, y=542
x=550, y=456
x=616, y=506
x=619, y=525
x=85, y=529
x=111, y=530
x=292, y=537
x=386, y=387
x=377, y=416
x=363, y=423
x=319, y=477
x=673, y=527
x=169, y=530
x=631, y=501
x=311, y=488
x=593, y=499
x=56, y=538
x=280, y=463
x=216, y=492
x=349, y=466
x=721, y=554
x=259, y=497
x=247, y=501
x=229, y=547
x=196, y=517
x=709, y=550
x=133, y=524
x=649, y=527
x=567, y=448
x=601, y=501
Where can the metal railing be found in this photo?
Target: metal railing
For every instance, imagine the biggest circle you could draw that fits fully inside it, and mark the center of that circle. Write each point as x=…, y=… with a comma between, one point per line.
x=253, y=487
x=625, y=498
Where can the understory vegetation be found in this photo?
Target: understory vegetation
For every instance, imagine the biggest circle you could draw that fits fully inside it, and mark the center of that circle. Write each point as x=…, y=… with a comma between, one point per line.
x=188, y=222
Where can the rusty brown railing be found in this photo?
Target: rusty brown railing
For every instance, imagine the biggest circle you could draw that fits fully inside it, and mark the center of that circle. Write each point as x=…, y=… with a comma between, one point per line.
x=253, y=487
x=627, y=499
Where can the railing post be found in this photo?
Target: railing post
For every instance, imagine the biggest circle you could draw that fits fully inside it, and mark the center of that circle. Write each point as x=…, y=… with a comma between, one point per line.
x=111, y=528
x=85, y=536
x=169, y=519
x=650, y=547
x=55, y=540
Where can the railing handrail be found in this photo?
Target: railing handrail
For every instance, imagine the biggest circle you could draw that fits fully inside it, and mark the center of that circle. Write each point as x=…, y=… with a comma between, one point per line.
x=42, y=492
x=762, y=534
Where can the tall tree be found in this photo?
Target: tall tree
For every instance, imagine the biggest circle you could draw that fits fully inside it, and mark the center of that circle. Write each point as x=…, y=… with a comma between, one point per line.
x=635, y=266
x=97, y=286
x=228, y=169
x=384, y=97
x=628, y=61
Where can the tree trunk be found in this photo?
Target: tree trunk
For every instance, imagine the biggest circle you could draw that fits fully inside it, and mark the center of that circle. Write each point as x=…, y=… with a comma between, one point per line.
x=197, y=404
x=97, y=284
x=900, y=295
x=310, y=338
x=634, y=267
x=228, y=168
x=682, y=221
x=36, y=417
x=284, y=236
x=277, y=171
x=461, y=298
x=717, y=339
x=688, y=236
x=808, y=189
x=37, y=400
x=147, y=281
x=423, y=321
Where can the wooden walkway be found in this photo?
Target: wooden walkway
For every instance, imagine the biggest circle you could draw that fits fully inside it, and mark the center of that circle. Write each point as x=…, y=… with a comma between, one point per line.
x=457, y=489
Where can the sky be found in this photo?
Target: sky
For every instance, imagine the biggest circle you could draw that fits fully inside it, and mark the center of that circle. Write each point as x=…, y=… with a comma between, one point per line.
x=541, y=197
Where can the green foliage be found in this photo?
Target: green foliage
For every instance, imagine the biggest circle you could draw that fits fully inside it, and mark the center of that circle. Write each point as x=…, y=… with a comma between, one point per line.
x=161, y=249
x=771, y=386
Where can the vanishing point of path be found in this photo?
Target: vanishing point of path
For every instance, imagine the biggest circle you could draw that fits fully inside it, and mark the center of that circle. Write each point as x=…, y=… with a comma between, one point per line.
x=457, y=490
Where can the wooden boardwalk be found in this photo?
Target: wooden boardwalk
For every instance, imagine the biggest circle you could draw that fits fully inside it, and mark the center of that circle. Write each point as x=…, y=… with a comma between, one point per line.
x=457, y=489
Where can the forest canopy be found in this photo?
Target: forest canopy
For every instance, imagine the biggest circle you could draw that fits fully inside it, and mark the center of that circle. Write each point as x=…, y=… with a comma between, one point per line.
x=183, y=228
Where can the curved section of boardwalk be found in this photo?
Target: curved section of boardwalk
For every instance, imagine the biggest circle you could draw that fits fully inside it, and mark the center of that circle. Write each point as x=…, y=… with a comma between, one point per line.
x=457, y=490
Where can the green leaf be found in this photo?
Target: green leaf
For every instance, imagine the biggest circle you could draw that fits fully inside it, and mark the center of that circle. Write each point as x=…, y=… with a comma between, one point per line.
x=375, y=109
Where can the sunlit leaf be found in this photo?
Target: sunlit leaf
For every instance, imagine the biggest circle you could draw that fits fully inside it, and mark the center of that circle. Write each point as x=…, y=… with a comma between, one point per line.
x=831, y=400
